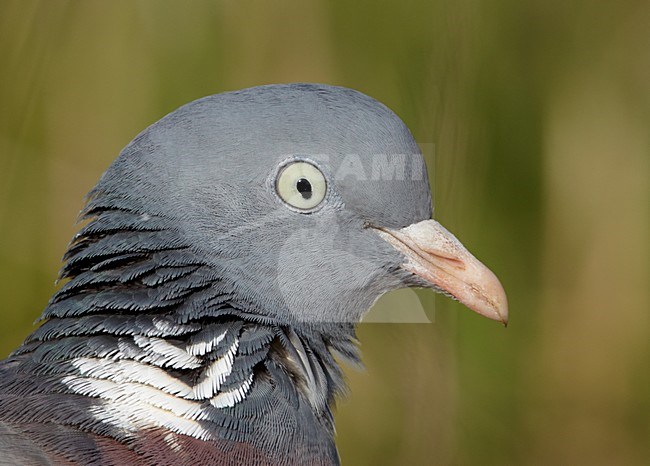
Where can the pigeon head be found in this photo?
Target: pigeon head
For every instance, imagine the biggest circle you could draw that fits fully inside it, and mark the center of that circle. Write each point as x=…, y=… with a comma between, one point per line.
x=310, y=201
x=226, y=255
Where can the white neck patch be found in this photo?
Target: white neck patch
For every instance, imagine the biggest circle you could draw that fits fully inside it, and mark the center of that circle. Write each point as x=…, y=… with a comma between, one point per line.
x=138, y=392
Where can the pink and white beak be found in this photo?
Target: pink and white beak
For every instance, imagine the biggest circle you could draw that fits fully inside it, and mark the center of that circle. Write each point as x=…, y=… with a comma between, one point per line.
x=435, y=255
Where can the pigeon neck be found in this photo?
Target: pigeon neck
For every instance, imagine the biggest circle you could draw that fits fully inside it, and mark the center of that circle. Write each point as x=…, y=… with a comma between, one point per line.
x=147, y=331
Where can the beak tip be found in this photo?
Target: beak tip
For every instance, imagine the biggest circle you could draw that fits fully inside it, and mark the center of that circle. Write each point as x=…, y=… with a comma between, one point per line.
x=501, y=309
x=500, y=314
x=503, y=318
x=491, y=302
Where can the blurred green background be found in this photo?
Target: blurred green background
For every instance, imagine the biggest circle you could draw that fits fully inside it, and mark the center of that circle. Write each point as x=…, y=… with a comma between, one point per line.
x=540, y=115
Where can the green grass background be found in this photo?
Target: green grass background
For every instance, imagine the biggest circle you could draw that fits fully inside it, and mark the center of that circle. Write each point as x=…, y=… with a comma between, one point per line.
x=540, y=114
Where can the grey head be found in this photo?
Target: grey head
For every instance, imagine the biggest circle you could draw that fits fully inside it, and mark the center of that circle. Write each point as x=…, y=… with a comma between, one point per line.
x=212, y=169
x=227, y=254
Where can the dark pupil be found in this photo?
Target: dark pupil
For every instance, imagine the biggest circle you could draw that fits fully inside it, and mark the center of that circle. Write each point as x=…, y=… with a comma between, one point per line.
x=304, y=187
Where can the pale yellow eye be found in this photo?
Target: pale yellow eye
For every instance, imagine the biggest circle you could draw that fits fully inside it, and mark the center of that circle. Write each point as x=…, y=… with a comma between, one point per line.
x=301, y=185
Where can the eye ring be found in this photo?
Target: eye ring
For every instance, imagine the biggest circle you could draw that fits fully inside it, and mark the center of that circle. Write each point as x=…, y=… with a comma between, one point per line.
x=301, y=185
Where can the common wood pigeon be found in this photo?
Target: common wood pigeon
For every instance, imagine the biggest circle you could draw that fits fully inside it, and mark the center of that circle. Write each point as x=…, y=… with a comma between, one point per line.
x=226, y=256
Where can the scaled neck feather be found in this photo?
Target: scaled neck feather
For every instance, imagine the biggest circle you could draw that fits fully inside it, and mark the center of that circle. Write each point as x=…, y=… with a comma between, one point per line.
x=148, y=329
